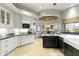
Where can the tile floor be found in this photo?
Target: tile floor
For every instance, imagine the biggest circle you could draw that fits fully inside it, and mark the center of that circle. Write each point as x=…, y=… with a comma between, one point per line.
x=35, y=49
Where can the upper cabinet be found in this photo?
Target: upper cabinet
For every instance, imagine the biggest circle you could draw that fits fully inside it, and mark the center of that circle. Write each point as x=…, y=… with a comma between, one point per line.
x=2, y=17
x=8, y=18
x=17, y=21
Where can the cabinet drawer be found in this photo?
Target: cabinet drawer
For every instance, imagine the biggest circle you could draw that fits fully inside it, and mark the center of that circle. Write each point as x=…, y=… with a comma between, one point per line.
x=2, y=53
x=4, y=46
x=4, y=41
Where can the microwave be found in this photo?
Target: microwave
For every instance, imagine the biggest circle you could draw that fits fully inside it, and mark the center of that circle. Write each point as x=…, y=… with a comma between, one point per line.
x=25, y=25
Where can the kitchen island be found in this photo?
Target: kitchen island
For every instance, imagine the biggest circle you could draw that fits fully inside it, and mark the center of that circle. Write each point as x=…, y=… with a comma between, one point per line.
x=53, y=41
x=70, y=43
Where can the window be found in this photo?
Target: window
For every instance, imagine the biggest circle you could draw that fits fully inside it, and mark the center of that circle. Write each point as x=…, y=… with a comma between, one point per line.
x=76, y=27
x=72, y=27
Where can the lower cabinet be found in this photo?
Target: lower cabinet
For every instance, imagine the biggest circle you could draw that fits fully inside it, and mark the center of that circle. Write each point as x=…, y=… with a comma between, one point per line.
x=4, y=46
x=52, y=42
x=60, y=43
x=23, y=40
x=8, y=44
x=19, y=40
x=49, y=41
x=27, y=39
x=15, y=42
x=30, y=39
x=70, y=51
x=75, y=52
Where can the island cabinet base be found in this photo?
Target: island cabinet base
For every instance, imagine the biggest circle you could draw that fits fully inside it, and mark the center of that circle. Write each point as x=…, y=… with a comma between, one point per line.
x=52, y=42
x=49, y=42
x=70, y=51
x=75, y=52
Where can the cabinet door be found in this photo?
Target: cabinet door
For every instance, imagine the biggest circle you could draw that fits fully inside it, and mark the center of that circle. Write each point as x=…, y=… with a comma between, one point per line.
x=2, y=17
x=28, y=39
x=4, y=46
x=66, y=51
x=11, y=44
x=23, y=40
x=8, y=18
x=18, y=41
x=32, y=38
x=61, y=43
x=75, y=52
x=2, y=49
x=49, y=42
x=15, y=42
x=17, y=21
x=70, y=50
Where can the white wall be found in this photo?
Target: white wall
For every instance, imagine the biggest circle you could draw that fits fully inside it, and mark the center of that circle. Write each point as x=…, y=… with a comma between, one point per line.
x=70, y=12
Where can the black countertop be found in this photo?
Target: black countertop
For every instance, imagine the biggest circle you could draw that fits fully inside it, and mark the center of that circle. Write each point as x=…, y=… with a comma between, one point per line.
x=13, y=36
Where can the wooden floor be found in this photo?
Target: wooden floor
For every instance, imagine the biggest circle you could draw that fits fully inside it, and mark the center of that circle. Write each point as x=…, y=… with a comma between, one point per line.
x=35, y=49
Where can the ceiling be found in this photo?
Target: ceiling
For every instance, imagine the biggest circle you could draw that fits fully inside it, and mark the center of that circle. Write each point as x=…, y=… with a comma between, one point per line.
x=44, y=6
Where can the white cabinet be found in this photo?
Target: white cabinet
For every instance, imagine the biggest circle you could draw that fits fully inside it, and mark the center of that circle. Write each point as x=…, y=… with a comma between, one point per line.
x=19, y=40
x=8, y=44
x=15, y=42
x=27, y=39
x=6, y=16
x=11, y=44
x=23, y=42
x=30, y=39
x=4, y=46
x=17, y=21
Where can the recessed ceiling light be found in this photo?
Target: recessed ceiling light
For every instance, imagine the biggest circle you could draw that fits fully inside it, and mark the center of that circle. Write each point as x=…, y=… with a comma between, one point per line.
x=40, y=7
